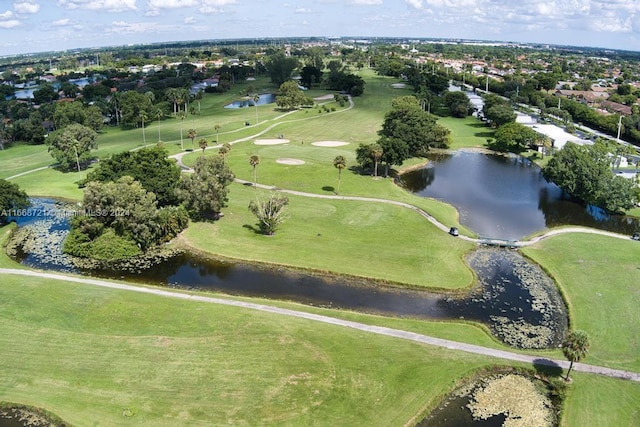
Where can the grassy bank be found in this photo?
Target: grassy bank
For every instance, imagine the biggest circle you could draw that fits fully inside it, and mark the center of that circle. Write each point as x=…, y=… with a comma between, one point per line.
x=191, y=363
x=356, y=238
x=91, y=354
x=600, y=278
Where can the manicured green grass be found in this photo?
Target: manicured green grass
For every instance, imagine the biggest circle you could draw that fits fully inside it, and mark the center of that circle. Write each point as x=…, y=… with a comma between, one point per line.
x=346, y=237
x=52, y=183
x=601, y=401
x=20, y=157
x=89, y=354
x=600, y=278
x=190, y=363
x=467, y=132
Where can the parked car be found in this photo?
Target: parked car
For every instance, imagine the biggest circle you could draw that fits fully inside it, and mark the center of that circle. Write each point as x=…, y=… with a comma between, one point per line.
x=636, y=235
x=454, y=231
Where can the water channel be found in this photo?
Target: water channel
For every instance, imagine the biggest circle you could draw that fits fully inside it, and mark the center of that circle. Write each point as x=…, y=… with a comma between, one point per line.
x=507, y=300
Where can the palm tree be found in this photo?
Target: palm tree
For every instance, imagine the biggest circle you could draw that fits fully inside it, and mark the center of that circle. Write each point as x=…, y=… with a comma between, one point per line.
x=143, y=116
x=224, y=150
x=217, y=128
x=575, y=347
x=256, y=98
x=376, y=155
x=202, y=143
x=182, y=97
x=181, y=117
x=192, y=133
x=159, y=116
x=339, y=163
x=172, y=96
x=254, y=161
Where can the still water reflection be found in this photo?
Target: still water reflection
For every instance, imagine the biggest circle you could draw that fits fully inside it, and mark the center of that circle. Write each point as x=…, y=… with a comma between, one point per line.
x=505, y=197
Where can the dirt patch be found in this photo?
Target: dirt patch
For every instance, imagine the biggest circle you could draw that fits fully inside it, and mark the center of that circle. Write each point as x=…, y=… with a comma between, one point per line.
x=294, y=162
x=274, y=141
x=329, y=143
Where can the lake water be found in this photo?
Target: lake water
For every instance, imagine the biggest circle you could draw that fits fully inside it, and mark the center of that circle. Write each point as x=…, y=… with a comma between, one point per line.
x=265, y=98
x=505, y=197
x=28, y=93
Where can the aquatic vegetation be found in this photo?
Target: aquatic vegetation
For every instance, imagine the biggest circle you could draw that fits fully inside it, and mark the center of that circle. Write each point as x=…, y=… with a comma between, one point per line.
x=515, y=397
x=523, y=288
x=497, y=396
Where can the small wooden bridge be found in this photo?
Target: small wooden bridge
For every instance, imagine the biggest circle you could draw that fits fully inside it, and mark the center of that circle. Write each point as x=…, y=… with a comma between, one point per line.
x=502, y=243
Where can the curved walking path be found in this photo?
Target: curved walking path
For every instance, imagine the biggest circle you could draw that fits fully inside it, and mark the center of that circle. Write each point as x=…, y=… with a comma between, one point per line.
x=379, y=330
x=434, y=221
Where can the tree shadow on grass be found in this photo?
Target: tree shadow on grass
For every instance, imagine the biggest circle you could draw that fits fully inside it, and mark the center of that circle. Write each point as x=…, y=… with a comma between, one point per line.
x=547, y=368
x=329, y=189
x=253, y=228
x=486, y=134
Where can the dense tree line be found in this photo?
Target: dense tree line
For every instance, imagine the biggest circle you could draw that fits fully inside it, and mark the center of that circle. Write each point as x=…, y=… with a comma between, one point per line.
x=585, y=173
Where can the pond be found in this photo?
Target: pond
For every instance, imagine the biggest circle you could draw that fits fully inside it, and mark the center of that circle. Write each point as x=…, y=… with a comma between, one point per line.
x=505, y=197
x=265, y=98
x=520, y=305
x=28, y=92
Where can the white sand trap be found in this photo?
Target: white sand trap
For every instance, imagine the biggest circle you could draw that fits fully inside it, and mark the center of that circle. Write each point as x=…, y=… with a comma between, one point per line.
x=398, y=85
x=274, y=141
x=323, y=97
x=295, y=162
x=329, y=143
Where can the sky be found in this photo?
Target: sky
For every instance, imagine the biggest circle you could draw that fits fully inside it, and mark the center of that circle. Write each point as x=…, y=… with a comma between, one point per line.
x=28, y=26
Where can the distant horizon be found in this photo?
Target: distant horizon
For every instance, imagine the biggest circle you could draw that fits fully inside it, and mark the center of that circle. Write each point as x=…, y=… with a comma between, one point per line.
x=38, y=26
x=433, y=40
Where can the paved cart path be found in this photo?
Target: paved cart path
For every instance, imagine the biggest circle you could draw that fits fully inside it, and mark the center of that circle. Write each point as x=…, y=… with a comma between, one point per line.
x=379, y=330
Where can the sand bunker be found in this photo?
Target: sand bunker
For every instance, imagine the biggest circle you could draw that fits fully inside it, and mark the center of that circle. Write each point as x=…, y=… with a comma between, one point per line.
x=295, y=162
x=398, y=85
x=274, y=141
x=329, y=143
x=323, y=97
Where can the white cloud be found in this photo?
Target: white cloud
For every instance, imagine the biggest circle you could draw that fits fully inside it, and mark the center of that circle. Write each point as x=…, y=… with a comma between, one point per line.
x=365, y=2
x=172, y=4
x=416, y=4
x=12, y=23
x=61, y=22
x=208, y=10
x=190, y=20
x=214, y=6
x=121, y=27
x=26, y=7
x=108, y=5
x=302, y=10
x=212, y=3
x=6, y=15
